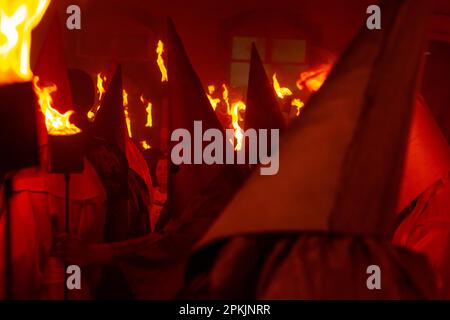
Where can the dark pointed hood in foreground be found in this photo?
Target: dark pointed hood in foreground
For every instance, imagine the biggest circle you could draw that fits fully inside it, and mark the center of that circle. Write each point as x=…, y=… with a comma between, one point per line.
x=341, y=162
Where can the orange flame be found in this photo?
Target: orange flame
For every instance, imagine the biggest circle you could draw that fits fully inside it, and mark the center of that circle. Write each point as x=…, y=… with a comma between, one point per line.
x=125, y=98
x=236, y=117
x=127, y=114
x=17, y=20
x=299, y=104
x=160, y=61
x=101, y=79
x=100, y=88
x=148, y=109
x=57, y=124
x=214, y=101
x=314, y=79
x=280, y=91
x=226, y=99
x=145, y=145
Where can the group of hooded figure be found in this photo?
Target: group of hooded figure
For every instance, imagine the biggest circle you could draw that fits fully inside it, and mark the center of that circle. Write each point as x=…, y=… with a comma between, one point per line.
x=363, y=180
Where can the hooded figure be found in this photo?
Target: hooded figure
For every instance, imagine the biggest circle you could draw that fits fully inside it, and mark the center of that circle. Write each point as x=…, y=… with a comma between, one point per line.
x=38, y=203
x=424, y=202
x=187, y=103
x=321, y=228
x=121, y=166
x=126, y=178
x=110, y=127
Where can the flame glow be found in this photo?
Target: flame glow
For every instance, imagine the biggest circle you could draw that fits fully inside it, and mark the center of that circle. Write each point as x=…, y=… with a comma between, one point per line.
x=144, y=144
x=57, y=124
x=127, y=114
x=299, y=104
x=160, y=61
x=148, y=109
x=101, y=79
x=226, y=99
x=280, y=91
x=17, y=20
x=314, y=79
x=214, y=101
x=236, y=117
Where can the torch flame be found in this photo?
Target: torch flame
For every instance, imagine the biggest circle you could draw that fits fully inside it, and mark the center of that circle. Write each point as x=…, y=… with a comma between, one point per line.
x=280, y=91
x=225, y=96
x=57, y=124
x=299, y=104
x=125, y=98
x=148, y=109
x=17, y=20
x=100, y=88
x=214, y=101
x=127, y=114
x=314, y=79
x=145, y=145
x=101, y=79
x=160, y=61
x=236, y=117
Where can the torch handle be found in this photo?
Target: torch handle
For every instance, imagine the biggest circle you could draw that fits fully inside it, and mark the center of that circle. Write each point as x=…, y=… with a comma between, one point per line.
x=67, y=220
x=67, y=228
x=8, y=239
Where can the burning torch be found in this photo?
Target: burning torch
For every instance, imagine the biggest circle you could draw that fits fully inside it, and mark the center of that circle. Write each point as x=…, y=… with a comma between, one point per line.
x=65, y=141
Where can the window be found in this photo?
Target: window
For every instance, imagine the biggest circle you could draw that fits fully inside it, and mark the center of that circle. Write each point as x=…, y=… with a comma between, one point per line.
x=286, y=57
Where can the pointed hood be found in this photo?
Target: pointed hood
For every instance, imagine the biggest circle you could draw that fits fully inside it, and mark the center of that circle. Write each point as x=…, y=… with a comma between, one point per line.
x=427, y=157
x=340, y=163
x=262, y=110
x=51, y=66
x=187, y=103
x=109, y=124
x=83, y=90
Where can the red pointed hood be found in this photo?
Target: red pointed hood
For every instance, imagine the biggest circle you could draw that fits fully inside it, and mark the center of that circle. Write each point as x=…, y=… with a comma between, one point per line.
x=262, y=110
x=51, y=68
x=109, y=124
x=187, y=103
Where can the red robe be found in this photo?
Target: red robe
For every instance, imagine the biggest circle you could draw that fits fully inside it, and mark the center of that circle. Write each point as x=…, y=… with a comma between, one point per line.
x=424, y=202
x=426, y=229
x=136, y=161
x=38, y=215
